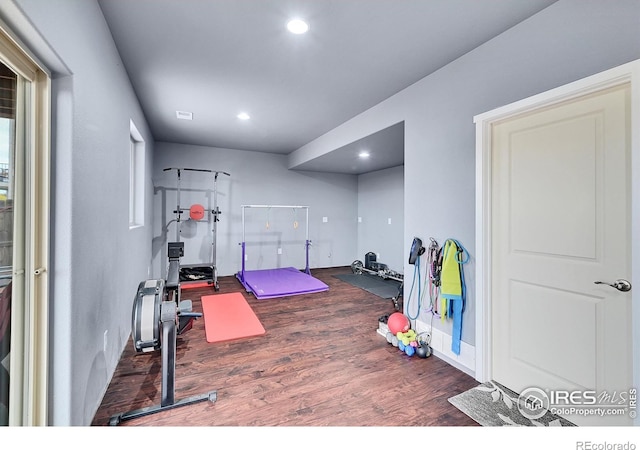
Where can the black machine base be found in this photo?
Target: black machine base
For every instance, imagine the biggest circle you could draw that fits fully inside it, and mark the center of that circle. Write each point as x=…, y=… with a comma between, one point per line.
x=167, y=328
x=118, y=418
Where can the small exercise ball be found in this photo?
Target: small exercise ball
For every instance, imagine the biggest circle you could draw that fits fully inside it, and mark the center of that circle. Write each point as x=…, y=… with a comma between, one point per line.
x=398, y=322
x=196, y=212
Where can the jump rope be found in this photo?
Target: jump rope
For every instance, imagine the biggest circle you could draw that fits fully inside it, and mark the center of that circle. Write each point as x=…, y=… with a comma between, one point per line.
x=431, y=285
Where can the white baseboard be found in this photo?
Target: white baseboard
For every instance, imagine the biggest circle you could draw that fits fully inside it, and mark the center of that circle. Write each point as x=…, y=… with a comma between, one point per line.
x=441, y=346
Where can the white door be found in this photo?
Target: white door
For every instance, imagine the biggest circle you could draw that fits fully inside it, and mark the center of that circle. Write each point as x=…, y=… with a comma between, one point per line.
x=560, y=222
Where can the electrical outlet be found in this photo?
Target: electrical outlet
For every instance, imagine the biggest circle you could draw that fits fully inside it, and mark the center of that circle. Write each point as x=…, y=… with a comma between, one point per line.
x=246, y=257
x=279, y=251
x=105, y=340
x=389, y=220
x=325, y=219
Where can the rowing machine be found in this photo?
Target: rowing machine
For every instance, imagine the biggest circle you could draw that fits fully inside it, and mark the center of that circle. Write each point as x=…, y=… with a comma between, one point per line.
x=159, y=316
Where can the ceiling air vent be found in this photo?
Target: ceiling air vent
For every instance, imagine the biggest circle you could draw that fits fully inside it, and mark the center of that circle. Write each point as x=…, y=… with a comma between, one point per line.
x=184, y=115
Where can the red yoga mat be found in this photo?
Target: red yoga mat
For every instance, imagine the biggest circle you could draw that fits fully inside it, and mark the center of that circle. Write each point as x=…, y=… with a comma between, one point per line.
x=228, y=317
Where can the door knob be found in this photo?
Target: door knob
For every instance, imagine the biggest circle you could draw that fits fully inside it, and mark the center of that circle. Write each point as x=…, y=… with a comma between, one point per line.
x=621, y=285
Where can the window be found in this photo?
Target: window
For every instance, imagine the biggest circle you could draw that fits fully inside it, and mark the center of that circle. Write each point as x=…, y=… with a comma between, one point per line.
x=136, y=177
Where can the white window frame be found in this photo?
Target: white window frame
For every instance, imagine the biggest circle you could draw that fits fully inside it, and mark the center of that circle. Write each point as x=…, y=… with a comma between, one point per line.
x=136, y=177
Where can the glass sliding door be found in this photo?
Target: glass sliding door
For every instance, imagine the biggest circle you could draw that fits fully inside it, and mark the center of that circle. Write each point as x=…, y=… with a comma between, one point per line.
x=24, y=236
x=7, y=176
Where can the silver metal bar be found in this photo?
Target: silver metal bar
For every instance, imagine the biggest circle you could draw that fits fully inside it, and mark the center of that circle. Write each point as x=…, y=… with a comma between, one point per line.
x=275, y=206
x=307, y=225
x=197, y=170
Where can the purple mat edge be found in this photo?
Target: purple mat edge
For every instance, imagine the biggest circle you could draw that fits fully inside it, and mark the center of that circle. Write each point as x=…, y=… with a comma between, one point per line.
x=320, y=288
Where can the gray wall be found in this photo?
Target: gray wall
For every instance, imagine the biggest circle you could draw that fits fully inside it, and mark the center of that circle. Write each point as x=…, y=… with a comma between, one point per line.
x=567, y=41
x=256, y=179
x=380, y=198
x=97, y=261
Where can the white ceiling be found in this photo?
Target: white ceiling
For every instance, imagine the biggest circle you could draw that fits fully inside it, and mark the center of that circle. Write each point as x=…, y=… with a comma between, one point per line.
x=215, y=58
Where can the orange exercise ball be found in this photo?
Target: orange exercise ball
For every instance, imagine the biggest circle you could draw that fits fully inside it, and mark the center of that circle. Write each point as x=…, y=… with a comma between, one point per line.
x=398, y=322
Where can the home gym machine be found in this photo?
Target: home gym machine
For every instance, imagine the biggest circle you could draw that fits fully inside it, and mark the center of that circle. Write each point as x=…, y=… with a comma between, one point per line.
x=372, y=267
x=159, y=316
x=195, y=272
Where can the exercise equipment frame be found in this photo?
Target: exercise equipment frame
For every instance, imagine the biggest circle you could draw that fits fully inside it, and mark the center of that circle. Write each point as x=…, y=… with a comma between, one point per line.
x=307, y=241
x=381, y=270
x=214, y=215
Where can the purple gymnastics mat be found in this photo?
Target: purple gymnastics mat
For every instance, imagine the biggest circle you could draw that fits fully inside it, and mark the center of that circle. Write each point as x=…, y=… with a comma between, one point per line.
x=287, y=281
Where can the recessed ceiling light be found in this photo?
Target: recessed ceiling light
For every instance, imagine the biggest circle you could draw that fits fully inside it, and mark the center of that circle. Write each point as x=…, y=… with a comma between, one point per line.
x=243, y=116
x=298, y=26
x=363, y=155
x=184, y=115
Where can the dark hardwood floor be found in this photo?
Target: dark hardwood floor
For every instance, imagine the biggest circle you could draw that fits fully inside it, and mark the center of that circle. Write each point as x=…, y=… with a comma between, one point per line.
x=320, y=363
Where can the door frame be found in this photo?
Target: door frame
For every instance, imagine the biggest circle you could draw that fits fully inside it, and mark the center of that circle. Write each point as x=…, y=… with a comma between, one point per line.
x=29, y=360
x=626, y=73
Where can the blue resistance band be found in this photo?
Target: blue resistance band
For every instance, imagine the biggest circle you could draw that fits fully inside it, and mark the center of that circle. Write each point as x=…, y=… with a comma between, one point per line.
x=458, y=306
x=416, y=269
